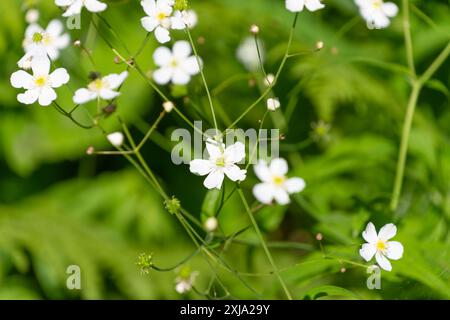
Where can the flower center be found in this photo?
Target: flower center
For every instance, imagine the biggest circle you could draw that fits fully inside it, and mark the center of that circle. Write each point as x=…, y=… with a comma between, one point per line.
x=40, y=81
x=47, y=39
x=96, y=85
x=377, y=4
x=161, y=16
x=220, y=162
x=37, y=37
x=381, y=246
x=278, y=180
x=174, y=63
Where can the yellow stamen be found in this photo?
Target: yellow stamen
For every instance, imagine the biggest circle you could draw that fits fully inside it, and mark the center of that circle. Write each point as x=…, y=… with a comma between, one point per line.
x=161, y=16
x=220, y=162
x=37, y=37
x=40, y=81
x=278, y=180
x=96, y=85
x=381, y=245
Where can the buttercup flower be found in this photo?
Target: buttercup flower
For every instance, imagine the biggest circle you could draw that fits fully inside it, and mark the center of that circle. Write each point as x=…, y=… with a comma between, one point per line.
x=275, y=184
x=176, y=66
x=115, y=138
x=39, y=86
x=379, y=246
x=74, y=6
x=160, y=20
x=298, y=5
x=222, y=161
x=101, y=88
x=40, y=42
x=377, y=12
x=247, y=53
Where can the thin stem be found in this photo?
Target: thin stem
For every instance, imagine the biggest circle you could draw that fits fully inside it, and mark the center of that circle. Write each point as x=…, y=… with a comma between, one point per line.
x=435, y=65
x=205, y=83
x=263, y=244
x=408, y=39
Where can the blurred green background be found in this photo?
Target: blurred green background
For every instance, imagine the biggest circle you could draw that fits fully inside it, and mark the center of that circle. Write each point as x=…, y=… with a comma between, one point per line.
x=60, y=207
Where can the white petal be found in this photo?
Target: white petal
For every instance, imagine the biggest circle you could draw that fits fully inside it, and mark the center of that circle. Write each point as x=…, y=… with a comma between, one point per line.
x=149, y=23
x=28, y=97
x=115, y=80
x=294, y=185
x=149, y=6
x=115, y=138
x=313, y=5
x=278, y=167
x=84, y=95
x=63, y=3
x=370, y=234
x=214, y=180
x=162, y=56
x=40, y=66
x=95, y=5
x=281, y=196
x=177, y=21
x=380, y=20
x=390, y=9
x=235, y=153
x=234, y=173
x=191, y=65
x=181, y=49
x=162, y=35
x=32, y=29
x=62, y=41
x=387, y=232
x=59, y=77
x=394, y=250
x=367, y=251
x=200, y=167
x=107, y=94
x=74, y=9
x=21, y=79
x=162, y=76
x=264, y=192
x=55, y=28
x=214, y=148
x=47, y=96
x=383, y=262
x=180, y=77
x=262, y=171
x=295, y=5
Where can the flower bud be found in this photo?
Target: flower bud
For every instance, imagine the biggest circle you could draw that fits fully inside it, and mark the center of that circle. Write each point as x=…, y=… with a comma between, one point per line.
x=116, y=138
x=168, y=106
x=211, y=224
x=254, y=29
x=273, y=104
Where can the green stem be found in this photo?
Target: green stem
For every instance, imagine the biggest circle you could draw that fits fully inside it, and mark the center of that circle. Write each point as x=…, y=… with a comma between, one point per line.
x=263, y=244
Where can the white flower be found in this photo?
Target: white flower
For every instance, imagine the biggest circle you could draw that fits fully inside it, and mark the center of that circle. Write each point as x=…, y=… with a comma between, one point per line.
x=378, y=245
x=101, y=88
x=32, y=16
x=116, y=138
x=160, y=20
x=273, y=104
x=168, y=106
x=74, y=6
x=275, y=184
x=211, y=224
x=39, y=86
x=298, y=5
x=184, y=283
x=269, y=79
x=247, y=53
x=189, y=17
x=377, y=12
x=176, y=66
x=39, y=42
x=222, y=161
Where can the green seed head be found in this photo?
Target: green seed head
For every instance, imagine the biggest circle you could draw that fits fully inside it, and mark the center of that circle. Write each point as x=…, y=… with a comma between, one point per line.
x=37, y=37
x=181, y=5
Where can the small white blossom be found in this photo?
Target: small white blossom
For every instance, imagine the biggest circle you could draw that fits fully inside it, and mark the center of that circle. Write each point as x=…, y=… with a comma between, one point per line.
x=269, y=79
x=39, y=86
x=32, y=16
x=275, y=184
x=116, y=138
x=160, y=18
x=176, y=66
x=189, y=17
x=378, y=245
x=222, y=161
x=211, y=224
x=184, y=283
x=298, y=5
x=103, y=88
x=377, y=12
x=39, y=42
x=168, y=106
x=273, y=104
x=74, y=6
x=247, y=53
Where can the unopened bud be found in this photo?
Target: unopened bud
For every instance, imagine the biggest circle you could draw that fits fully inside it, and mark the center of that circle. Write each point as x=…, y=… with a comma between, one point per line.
x=77, y=43
x=90, y=150
x=319, y=45
x=116, y=138
x=319, y=237
x=254, y=29
x=211, y=224
x=168, y=106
